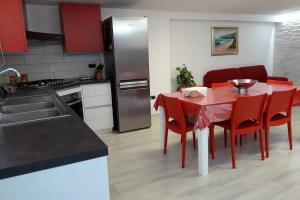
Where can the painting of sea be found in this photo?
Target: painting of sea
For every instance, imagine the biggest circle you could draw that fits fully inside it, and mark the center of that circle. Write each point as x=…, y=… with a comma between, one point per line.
x=224, y=41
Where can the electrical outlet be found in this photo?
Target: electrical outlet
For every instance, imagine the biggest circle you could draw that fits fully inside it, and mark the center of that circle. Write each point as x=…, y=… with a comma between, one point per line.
x=92, y=65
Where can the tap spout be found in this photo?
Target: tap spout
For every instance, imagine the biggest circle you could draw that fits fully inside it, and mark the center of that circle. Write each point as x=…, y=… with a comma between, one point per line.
x=8, y=70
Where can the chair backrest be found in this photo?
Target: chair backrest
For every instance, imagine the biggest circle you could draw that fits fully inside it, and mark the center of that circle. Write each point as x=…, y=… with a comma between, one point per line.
x=296, y=100
x=248, y=108
x=220, y=85
x=173, y=109
x=280, y=102
x=280, y=82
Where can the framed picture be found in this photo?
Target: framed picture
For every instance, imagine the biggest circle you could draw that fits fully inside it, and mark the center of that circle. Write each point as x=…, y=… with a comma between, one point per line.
x=224, y=41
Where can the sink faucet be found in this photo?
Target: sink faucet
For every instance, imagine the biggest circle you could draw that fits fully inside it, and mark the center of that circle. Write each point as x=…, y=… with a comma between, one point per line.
x=4, y=72
x=4, y=90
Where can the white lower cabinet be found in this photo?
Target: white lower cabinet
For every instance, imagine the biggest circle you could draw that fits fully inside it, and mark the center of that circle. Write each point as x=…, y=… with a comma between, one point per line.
x=98, y=124
x=97, y=106
x=77, y=181
x=98, y=113
x=99, y=89
x=95, y=101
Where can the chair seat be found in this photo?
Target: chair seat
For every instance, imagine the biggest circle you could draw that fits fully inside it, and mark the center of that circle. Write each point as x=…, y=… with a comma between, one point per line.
x=174, y=126
x=279, y=119
x=244, y=127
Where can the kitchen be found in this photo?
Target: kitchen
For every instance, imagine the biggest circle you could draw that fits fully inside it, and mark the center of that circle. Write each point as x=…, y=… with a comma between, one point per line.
x=57, y=79
x=83, y=113
x=49, y=58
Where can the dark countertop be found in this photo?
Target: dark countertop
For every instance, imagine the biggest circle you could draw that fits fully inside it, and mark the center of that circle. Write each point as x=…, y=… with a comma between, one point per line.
x=76, y=82
x=35, y=146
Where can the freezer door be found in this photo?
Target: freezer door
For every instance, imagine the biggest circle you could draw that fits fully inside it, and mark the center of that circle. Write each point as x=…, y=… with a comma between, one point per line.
x=133, y=107
x=130, y=46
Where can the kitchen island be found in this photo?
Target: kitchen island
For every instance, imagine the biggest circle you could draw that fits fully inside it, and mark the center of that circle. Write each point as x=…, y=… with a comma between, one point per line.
x=59, y=158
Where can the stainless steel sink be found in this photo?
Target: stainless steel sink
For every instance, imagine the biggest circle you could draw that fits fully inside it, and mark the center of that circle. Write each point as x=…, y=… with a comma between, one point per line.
x=10, y=109
x=28, y=100
x=32, y=108
x=29, y=116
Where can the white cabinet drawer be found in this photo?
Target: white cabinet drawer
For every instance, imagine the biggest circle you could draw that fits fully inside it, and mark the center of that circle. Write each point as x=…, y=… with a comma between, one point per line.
x=99, y=124
x=98, y=113
x=96, y=90
x=96, y=101
x=67, y=91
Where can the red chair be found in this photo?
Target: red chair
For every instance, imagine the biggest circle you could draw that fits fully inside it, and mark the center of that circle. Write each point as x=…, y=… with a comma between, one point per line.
x=296, y=101
x=280, y=82
x=176, y=122
x=228, y=85
x=279, y=112
x=211, y=128
x=247, y=117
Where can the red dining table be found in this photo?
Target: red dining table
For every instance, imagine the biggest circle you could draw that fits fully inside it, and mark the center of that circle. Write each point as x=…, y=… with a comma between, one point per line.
x=216, y=106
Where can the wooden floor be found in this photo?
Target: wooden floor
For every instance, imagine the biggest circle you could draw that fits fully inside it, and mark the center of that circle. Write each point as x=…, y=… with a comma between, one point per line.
x=139, y=170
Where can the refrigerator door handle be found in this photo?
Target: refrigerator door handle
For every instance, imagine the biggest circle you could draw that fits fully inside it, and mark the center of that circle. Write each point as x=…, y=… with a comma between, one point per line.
x=132, y=87
x=134, y=82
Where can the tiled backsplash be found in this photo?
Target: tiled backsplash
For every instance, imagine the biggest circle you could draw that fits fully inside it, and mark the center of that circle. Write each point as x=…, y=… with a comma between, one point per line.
x=50, y=61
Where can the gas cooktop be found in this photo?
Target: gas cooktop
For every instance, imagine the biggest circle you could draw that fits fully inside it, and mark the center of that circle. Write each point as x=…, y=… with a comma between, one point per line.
x=44, y=83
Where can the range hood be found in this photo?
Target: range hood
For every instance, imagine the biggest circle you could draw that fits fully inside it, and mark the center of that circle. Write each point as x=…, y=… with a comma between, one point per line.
x=43, y=24
x=37, y=38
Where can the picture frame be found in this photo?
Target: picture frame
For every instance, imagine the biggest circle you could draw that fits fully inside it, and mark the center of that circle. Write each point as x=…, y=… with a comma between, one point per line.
x=224, y=41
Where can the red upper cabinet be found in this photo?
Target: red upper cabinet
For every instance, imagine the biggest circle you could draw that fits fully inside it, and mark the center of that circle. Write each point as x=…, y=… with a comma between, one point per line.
x=12, y=28
x=81, y=25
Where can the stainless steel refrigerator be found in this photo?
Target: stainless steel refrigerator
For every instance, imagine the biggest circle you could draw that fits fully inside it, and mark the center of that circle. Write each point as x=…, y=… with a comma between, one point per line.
x=127, y=66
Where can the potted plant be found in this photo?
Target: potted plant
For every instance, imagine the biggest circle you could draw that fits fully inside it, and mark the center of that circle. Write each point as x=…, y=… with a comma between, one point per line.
x=185, y=78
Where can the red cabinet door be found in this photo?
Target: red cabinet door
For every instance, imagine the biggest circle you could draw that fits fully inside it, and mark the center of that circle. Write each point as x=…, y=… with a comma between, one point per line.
x=12, y=28
x=81, y=25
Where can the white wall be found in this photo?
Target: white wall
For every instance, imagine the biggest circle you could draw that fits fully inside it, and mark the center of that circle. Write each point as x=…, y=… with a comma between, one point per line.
x=191, y=45
x=161, y=45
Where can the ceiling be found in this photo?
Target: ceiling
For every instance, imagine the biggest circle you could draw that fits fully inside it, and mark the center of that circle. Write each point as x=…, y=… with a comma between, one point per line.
x=270, y=7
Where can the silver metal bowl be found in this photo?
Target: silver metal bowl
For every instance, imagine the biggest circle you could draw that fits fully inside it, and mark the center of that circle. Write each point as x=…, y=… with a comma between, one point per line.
x=242, y=84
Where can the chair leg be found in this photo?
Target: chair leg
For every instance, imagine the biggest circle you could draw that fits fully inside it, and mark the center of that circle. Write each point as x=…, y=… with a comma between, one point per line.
x=255, y=135
x=232, y=145
x=267, y=140
x=290, y=135
x=183, y=150
x=261, y=142
x=241, y=140
x=194, y=140
x=225, y=137
x=212, y=141
x=235, y=139
x=181, y=139
x=209, y=144
x=166, y=140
